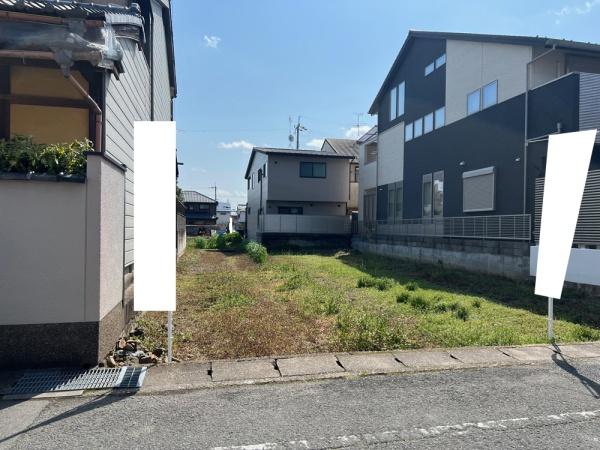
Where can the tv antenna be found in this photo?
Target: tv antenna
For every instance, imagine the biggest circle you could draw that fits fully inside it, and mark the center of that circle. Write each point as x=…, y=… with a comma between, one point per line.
x=358, y=116
x=299, y=127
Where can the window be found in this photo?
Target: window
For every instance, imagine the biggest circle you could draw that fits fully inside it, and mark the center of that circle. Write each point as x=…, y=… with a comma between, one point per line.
x=490, y=95
x=438, y=194
x=260, y=175
x=393, y=103
x=440, y=61
x=428, y=123
x=418, y=128
x=479, y=190
x=401, y=90
x=399, y=193
x=426, y=195
x=430, y=68
x=296, y=210
x=473, y=102
x=370, y=152
x=252, y=176
x=313, y=170
x=440, y=117
x=391, y=203
x=408, y=132
x=248, y=180
x=264, y=172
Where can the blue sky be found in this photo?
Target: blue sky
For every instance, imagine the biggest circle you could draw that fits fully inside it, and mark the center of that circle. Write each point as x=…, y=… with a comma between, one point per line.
x=244, y=67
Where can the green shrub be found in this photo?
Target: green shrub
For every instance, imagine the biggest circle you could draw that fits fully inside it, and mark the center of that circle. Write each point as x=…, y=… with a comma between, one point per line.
x=441, y=307
x=234, y=239
x=293, y=282
x=21, y=155
x=462, y=312
x=382, y=284
x=403, y=297
x=331, y=306
x=257, y=252
x=476, y=303
x=200, y=242
x=411, y=286
x=419, y=302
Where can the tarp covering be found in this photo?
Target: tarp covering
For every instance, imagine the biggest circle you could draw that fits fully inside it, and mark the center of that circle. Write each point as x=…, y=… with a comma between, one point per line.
x=69, y=42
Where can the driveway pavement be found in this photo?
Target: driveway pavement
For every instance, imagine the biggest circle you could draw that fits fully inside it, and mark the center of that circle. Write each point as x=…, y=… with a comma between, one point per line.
x=547, y=403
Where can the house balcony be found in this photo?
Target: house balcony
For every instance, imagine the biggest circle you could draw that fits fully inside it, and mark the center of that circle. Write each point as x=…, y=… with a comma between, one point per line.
x=304, y=224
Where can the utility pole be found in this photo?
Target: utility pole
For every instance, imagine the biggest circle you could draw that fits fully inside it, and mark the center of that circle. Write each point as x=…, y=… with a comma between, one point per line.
x=298, y=129
x=215, y=189
x=358, y=116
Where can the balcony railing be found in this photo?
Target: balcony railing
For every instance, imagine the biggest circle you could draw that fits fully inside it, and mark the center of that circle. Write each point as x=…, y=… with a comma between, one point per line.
x=304, y=224
x=509, y=227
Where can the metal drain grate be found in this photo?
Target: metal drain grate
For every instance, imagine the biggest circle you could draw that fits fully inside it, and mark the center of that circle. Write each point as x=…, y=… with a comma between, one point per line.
x=55, y=380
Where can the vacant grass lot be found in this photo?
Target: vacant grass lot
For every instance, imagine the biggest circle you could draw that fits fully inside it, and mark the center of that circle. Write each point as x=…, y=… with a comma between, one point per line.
x=231, y=307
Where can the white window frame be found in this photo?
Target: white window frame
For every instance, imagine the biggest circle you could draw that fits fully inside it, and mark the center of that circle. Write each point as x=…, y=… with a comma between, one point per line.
x=478, y=92
x=440, y=61
x=420, y=122
x=483, y=105
x=401, y=93
x=436, y=120
x=408, y=127
x=426, y=128
x=393, y=103
x=429, y=69
x=427, y=178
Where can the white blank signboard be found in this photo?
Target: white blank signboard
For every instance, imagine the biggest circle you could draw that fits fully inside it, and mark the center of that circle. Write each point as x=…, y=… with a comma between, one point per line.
x=567, y=165
x=154, y=216
x=584, y=265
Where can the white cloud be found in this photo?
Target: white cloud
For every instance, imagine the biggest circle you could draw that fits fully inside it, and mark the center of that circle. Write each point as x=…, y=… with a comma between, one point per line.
x=315, y=143
x=355, y=133
x=579, y=10
x=237, y=145
x=211, y=41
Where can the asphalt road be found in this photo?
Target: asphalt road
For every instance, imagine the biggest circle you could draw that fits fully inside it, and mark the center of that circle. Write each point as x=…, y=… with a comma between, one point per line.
x=542, y=406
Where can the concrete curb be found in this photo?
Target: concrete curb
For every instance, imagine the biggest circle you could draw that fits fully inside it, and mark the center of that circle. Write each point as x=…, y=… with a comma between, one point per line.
x=164, y=379
x=323, y=366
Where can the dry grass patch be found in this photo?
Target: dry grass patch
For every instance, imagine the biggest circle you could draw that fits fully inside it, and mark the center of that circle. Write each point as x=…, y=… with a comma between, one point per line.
x=230, y=307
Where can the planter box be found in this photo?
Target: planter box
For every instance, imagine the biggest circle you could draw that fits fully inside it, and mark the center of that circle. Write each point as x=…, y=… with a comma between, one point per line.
x=41, y=177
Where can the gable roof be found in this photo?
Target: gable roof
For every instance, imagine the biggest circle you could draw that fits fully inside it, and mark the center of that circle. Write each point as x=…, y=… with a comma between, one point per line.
x=196, y=197
x=535, y=41
x=343, y=146
x=290, y=152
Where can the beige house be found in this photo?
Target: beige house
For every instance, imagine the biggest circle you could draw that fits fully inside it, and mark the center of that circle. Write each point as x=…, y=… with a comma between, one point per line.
x=297, y=193
x=348, y=147
x=75, y=71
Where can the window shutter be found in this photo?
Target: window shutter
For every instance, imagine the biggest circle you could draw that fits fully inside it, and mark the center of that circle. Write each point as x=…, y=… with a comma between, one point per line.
x=479, y=190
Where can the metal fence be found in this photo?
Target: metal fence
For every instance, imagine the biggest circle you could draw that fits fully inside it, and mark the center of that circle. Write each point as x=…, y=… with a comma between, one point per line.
x=509, y=227
x=304, y=224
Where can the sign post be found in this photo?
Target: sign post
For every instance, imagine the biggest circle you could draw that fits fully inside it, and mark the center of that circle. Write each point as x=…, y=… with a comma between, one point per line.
x=568, y=160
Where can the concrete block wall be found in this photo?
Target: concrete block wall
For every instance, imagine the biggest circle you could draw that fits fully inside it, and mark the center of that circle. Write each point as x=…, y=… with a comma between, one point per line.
x=506, y=258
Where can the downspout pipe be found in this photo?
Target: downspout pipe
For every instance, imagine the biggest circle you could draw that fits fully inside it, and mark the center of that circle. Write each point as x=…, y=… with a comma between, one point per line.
x=526, y=123
x=94, y=107
x=49, y=56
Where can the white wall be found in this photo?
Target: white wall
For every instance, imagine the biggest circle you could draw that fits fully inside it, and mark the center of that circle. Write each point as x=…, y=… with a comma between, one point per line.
x=61, y=247
x=254, y=194
x=42, y=252
x=310, y=208
x=127, y=100
x=390, y=154
x=366, y=179
x=285, y=183
x=471, y=65
x=583, y=265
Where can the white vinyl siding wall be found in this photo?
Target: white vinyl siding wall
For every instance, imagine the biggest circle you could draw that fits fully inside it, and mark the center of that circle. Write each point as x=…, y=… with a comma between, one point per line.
x=162, y=87
x=127, y=100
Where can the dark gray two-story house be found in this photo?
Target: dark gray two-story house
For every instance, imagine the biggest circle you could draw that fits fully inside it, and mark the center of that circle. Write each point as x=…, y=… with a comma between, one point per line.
x=460, y=146
x=200, y=213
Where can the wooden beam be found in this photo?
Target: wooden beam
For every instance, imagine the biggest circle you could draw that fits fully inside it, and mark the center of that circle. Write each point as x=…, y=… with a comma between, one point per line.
x=4, y=105
x=44, y=101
